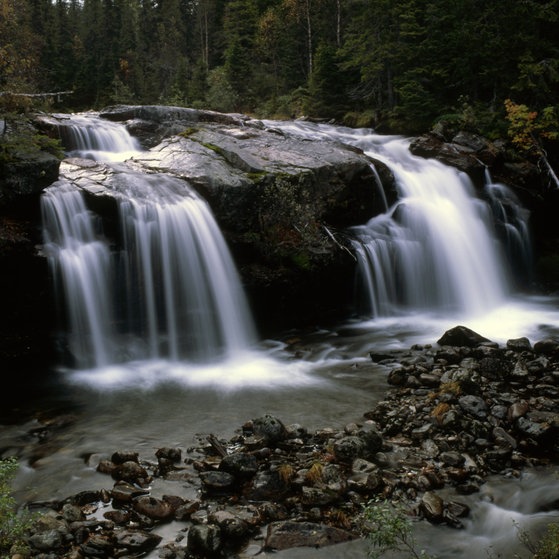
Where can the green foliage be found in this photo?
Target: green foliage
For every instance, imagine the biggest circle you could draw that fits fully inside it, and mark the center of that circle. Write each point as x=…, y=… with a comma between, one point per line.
x=388, y=528
x=528, y=128
x=548, y=547
x=545, y=547
x=403, y=62
x=23, y=141
x=473, y=117
x=13, y=526
x=221, y=96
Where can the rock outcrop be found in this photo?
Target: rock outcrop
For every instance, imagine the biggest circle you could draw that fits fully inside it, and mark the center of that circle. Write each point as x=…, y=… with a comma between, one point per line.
x=282, y=202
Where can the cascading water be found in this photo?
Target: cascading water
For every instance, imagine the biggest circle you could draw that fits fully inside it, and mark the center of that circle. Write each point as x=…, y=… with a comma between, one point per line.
x=437, y=248
x=434, y=249
x=81, y=266
x=181, y=285
x=101, y=140
x=171, y=290
x=512, y=222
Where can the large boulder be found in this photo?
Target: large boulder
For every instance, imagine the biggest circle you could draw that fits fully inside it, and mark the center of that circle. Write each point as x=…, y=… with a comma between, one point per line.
x=282, y=202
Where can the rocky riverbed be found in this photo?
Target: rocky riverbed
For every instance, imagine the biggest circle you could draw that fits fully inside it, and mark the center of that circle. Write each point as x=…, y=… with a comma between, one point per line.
x=455, y=413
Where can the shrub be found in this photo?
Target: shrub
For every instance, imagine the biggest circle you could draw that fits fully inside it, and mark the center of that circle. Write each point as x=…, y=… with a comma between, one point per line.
x=13, y=525
x=388, y=528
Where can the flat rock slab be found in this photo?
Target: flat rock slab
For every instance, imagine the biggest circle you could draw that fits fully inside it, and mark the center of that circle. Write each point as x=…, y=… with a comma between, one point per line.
x=284, y=535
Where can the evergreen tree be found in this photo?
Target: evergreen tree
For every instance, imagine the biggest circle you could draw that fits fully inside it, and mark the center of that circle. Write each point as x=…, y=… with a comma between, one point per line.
x=19, y=47
x=239, y=28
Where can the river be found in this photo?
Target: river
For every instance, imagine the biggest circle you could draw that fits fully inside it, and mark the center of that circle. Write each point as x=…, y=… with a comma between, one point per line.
x=323, y=378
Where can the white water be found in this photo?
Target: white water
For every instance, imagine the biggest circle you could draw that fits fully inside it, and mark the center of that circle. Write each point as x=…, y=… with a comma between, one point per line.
x=179, y=276
x=80, y=264
x=436, y=249
x=170, y=292
x=101, y=140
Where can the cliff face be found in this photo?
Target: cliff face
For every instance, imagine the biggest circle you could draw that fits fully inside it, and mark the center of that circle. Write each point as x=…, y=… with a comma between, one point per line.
x=28, y=164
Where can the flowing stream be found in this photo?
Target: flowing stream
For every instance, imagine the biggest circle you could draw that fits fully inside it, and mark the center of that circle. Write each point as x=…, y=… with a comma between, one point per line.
x=163, y=342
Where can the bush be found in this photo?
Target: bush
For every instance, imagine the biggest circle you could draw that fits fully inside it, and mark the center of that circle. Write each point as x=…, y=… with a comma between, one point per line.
x=388, y=528
x=13, y=525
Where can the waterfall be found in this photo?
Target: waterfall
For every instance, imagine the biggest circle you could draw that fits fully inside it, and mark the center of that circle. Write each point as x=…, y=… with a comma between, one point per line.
x=166, y=288
x=511, y=220
x=440, y=247
x=180, y=281
x=435, y=248
x=81, y=267
x=93, y=138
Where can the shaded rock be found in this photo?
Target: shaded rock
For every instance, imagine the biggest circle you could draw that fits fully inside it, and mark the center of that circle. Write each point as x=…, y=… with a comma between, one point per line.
x=271, y=429
x=204, y=540
x=155, y=509
x=217, y=482
x=347, y=449
x=519, y=344
x=473, y=405
x=288, y=534
x=137, y=541
x=267, y=485
x=548, y=346
x=432, y=506
x=231, y=526
x=240, y=464
x=98, y=545
x=462, y=336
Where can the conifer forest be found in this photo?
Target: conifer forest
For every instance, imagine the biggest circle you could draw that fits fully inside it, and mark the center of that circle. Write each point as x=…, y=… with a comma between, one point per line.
x=395, y=65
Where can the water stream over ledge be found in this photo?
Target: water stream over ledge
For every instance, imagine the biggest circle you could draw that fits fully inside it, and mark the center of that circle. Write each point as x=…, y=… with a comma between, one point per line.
x=325, y=378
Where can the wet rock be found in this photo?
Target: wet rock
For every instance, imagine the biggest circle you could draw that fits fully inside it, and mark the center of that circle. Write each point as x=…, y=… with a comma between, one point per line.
x=432, y=506
x=547, y=346
x=131, y=472
x=137, y=542
x=240, y=464
x=48, y=540
x=72, y=513
x=124, y=492
x=119, y=517
x=217, y=482
x=520, y=370
x=541, y=426
x=204, y=540
x=461, y=336
x=156, y=509
x=271, y=429
x=288, y=534
x=122, y=456
x=398, y=377
x=186, y=510
x=519, y=344
x=372, y=440
x=452, y=458
x=347, y=449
